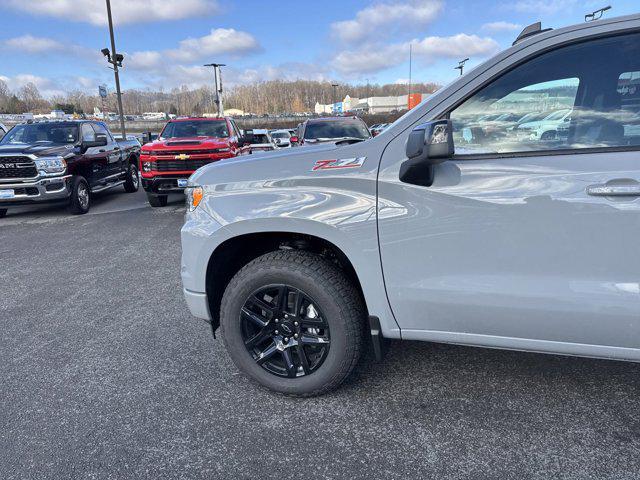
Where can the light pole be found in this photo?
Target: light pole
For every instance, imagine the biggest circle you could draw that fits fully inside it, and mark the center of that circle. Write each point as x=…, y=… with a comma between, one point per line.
x=461, y=65
x=335, y=87
x=217, y=74
x=116, y=60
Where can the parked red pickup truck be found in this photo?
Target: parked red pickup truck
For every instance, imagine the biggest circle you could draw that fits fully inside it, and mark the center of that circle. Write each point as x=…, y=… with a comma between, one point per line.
x=184, y=145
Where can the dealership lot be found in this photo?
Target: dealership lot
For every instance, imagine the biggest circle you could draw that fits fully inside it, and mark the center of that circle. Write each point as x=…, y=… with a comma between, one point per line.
x=105, y=374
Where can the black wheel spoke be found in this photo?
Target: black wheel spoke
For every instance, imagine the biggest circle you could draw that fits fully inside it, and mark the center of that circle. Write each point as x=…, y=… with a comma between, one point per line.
x=297, y=302
x=317, y=322
x=255, y=301
x=288, y=362
x=254, y=317
x=258, y=338
x=310, y=339
x=283, y=292
x=304, y=361
x=267, y=353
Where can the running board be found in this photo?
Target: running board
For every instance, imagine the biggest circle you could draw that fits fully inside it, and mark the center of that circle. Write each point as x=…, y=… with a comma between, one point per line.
x=106, y=187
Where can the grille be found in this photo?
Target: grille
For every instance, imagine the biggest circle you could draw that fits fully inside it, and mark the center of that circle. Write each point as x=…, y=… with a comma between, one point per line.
x=178, y=165
x=17, y=167
x=172, y=153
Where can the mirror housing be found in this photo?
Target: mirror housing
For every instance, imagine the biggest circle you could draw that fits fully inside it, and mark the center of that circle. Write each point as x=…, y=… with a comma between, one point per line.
x=428, y=144
x=100, y=141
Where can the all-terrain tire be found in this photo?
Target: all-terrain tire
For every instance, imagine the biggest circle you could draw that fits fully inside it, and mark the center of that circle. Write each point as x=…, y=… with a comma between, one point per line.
x=331, y=290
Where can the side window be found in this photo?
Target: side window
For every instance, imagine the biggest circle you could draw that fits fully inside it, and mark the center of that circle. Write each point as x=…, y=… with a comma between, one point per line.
x=234, y=129
x=88, y=134
x=581, y=96
x=102, y=130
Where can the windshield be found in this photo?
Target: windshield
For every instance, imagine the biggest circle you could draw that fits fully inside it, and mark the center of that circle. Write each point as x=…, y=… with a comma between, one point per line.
x=198, y=128
x=557, y=115
x=255, y=139
x=280, y=135
x=335, y=129
x=55, y=133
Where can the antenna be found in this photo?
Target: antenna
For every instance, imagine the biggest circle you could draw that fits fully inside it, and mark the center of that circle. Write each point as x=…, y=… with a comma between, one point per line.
x=461, y=65
x=596, y=14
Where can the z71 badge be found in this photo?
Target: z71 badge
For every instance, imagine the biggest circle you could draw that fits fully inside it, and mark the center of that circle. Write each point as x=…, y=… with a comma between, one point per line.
x=334, y=164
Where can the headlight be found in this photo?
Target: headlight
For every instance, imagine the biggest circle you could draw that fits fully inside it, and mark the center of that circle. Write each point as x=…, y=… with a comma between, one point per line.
x=194, y=197
x=51, y=166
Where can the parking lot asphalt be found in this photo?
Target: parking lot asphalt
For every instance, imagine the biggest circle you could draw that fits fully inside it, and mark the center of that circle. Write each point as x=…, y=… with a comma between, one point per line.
x=104, y=374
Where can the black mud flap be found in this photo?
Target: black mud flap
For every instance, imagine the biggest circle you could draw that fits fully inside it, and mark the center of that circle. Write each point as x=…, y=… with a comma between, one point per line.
x=376, y=337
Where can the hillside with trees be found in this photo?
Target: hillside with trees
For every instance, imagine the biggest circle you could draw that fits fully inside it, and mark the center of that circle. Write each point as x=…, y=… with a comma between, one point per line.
x=272, y=97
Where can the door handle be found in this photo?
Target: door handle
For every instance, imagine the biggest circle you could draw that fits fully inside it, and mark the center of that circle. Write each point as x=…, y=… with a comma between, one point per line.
x=615, y=188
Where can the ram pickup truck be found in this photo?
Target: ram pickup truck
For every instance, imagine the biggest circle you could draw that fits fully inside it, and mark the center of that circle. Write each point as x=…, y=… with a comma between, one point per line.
x=433, y=230
x=184, y=145
x=64, y=162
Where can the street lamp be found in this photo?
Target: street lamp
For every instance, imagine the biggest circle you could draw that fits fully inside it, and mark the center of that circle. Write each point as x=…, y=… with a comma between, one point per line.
x=335, y=86
x=461, y=65
x=217, y=74
x=115, y=59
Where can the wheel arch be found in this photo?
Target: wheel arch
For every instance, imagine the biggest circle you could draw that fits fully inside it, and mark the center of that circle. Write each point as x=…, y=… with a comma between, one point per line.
x=235, y=252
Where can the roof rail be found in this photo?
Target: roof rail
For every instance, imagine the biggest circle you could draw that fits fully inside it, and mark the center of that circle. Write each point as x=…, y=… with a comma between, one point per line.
x=529, y=31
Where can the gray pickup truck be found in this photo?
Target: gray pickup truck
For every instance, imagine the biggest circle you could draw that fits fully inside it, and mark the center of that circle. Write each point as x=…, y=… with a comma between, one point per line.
x=453, y=225
x=64, y=162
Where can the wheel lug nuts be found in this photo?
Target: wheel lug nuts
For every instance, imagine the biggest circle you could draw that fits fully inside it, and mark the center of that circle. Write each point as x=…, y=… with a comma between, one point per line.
x=295, y=323
x=277, y=320
x=295, y=336
x=276, y=332
x=286, y=339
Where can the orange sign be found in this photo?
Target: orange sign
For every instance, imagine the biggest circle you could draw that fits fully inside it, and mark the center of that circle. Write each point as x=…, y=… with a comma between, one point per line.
x=413, y=100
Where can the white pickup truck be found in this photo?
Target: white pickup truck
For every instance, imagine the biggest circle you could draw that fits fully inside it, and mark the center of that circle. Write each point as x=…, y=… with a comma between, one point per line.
x=441, y=228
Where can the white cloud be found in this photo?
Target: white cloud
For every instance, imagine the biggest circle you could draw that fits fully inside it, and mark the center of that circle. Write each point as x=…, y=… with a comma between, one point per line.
x=501, y=27
x=545, y=7
x=427, y=50
x=221, y=41
x=384, y=17
x=46, y=86
x=217, y=42
x=31, y=44
x=454, y=46
x=124, y=11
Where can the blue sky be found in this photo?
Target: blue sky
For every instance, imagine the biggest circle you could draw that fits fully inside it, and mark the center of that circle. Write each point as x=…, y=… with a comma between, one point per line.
x=56, y=43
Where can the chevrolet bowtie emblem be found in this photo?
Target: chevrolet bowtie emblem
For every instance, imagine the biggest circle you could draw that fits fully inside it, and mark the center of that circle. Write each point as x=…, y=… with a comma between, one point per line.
x=182, y=156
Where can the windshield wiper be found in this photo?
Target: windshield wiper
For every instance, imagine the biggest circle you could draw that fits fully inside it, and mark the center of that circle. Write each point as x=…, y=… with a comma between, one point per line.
x=348, y=140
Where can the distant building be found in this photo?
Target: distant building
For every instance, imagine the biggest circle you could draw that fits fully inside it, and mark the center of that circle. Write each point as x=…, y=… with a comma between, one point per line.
x=370, y=104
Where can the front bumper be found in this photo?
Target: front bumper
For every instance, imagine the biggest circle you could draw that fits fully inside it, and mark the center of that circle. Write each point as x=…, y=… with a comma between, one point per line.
x=198, y=304
x=44, y=190
x=163, y=184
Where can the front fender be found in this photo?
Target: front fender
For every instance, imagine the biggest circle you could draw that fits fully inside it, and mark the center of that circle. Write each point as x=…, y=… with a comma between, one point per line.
x=339, y=214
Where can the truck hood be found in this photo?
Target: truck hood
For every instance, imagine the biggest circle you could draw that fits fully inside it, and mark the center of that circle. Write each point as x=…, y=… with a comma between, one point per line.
x=194, y=143
x=272, y=165
x=38, y=149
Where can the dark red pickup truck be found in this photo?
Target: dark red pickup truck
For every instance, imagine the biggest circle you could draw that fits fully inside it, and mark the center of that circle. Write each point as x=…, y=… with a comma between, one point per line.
x=184, y=145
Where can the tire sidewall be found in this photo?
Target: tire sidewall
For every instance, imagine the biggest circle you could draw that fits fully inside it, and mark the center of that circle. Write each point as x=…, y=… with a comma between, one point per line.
x=129, y=185
x=317, y=289
x=75, y=200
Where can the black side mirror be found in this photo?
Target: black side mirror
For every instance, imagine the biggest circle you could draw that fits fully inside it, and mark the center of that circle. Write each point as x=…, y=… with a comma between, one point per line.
x=428, y=144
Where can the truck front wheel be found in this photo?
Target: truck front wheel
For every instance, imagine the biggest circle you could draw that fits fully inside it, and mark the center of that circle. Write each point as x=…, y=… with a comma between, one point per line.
x=157, y=200
x=132, y=182
x=292, y=321
x=80, y=200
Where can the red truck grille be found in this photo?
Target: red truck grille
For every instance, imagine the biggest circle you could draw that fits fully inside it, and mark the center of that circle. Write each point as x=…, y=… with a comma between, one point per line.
x=178, y=165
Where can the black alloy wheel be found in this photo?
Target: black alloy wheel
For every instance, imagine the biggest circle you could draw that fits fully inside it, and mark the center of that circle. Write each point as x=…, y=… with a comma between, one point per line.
x=285, y=331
